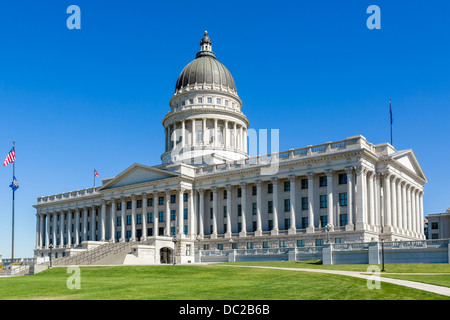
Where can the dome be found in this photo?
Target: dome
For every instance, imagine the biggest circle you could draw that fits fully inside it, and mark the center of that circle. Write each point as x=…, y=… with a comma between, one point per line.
x=206, y=70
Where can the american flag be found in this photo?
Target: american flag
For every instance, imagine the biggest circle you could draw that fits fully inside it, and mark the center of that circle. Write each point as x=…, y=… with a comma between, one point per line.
x=10, y=158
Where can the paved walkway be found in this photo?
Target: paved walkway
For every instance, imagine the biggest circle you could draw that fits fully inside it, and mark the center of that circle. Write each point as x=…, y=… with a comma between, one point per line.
x=365, y=275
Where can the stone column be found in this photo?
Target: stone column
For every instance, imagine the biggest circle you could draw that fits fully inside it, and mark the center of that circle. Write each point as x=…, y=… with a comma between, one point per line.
x=55, y=218
x=155, y=214
x=133, y=217
x=112, y=231
x=310, y=228
x=243, y=232
x=409, y=215
x=92, y=223
x=388, y=203
x=180, y=225
x=85, y=223
x=204, y=131
x=193, y=137
x=234, y=136
x=350, y=226
x=103, y=222
x=214, y=221
x=201, y=213
x=183, y=133
x=404, y=207
x=41, y=231
x=47, y=233
x=371, y=199
x=38, y=231
x=215, y=142
x=245, y=139
x=77, y=227
x=393, y=202
x=421, y=213
x=413, y=210
x=61, y=229
x=417, y=217
x=228, y=231
x=293, y=228
x=361, y=221
x=225, y=135
x=192, y=199
x=258, y=231
x=276, y=228
x=144, y=216
x=330, y=204
x=399, y=204
x=123, y=218
x=69, y=228
x=167, y=213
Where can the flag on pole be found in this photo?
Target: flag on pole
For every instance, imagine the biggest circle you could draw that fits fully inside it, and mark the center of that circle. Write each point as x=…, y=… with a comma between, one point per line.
x=10, y=158
x=96, y=173
x=14, y=184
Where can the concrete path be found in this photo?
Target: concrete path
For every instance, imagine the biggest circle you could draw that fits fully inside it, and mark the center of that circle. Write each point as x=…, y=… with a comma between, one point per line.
x=365, y=275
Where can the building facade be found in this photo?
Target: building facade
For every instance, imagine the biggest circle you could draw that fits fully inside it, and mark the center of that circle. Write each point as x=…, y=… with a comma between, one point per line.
x=209, y=194
x=438, y=225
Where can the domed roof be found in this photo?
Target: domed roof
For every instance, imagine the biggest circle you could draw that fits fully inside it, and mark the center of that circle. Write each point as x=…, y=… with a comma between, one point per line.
x=206, y=70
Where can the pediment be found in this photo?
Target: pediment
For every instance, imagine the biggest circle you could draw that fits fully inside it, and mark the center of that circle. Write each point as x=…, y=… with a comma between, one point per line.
x=408, y=160
x=136, y=174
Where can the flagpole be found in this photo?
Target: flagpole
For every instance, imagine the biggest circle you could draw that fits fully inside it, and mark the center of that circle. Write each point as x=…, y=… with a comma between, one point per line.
x=14, y=173
x=390, y=111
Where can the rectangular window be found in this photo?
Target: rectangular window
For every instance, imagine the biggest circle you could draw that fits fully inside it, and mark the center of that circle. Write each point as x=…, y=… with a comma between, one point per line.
x=339, y=240
x=150, y=202
x=234, y=245
x=300, y=243
x=343, y=220
x=220, y=246
x=139, y=219
x=139, y=204
x=323, y=221
x=253, y=190
x=224, y=211
x=254, y=226
x=283, y=243
x=173, y=215
x=287, y=205
x=287, y=186
x=226, y=103
x=319, y=242
x=342, y=178
x=150, y=217
x=185, y=197
x=225, y=195
x=322, y=181
x=172, y=231
x=287, y=223
x=199, y=100
x=128, y=235
x=161, y=216
x=305, y=203
x=270, y=224
x=305, y=222
x=191, y=101
x=119, y=206
x=239, y=210
x=161, y=201
x=434, y=225
x=128, y=220
x=304, y=183
x=266, y=245
x=249, y=245
x=209, y=100
x=199, y=135
x=185, y=214
x=128, y=204
x=269, y=206
x=323, y=201
x=173, y=198
x=270, y=188
x=211, y=214
x=188, y=249
x=254, y=208
x=219, y=101
x=343, y=199
x=239, y=192
x=119, y=221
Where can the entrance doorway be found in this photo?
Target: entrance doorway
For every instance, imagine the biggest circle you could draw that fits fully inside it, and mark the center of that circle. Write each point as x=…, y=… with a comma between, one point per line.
x=166, y=255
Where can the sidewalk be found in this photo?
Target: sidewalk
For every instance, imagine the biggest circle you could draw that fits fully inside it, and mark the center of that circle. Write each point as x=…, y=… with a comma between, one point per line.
x=365, y=275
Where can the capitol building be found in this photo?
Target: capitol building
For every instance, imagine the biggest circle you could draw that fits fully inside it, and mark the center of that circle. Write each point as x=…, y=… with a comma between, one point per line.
x=209, y=194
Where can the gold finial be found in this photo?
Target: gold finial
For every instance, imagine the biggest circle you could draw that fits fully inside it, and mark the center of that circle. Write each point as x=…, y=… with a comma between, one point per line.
x=206, y=33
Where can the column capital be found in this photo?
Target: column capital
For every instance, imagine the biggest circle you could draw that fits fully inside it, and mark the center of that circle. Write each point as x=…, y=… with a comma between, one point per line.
x=243, y=184
x=274, y=180
x=258, y=182
x=310, y=175
x=292, y=177
x=144, y=195
x=133, y=197
x=228, y=187
x=104, y=201
x=214, y=189
x=329, y=172
x=348, y=171
x=201, y=191
x=360, y=169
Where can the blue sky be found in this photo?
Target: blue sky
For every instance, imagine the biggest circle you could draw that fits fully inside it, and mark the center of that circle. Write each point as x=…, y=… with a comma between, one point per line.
x=78, y=99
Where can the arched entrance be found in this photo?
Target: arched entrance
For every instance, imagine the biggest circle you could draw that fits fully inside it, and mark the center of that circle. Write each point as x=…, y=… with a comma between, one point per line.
x=166, y=255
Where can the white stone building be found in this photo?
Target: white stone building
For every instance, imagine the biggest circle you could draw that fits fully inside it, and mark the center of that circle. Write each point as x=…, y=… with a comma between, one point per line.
x=210, y=194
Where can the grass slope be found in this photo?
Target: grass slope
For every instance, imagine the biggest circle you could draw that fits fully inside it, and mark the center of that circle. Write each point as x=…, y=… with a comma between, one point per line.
x=206, y=282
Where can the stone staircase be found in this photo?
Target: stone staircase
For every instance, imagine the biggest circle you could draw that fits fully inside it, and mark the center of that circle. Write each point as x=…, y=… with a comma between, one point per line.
x=104, y=254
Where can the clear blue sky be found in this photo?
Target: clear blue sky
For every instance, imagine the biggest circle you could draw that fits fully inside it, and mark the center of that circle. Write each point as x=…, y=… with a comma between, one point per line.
x=78, y=99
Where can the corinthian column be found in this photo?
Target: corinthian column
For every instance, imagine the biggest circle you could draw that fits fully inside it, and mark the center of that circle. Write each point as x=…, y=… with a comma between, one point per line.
x=349, y=226
x=214, y=221
x=258, y=231
x=293, y=228
x=275, y=229
x=243, y=231
x=310, y=228
x=228, y=231
x=361, y=205
x=387, y=199
x=201, y=213
x=330, y=204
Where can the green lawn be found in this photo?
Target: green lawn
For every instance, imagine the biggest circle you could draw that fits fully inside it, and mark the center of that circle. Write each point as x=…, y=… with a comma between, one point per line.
x=195, y=282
